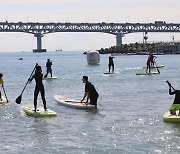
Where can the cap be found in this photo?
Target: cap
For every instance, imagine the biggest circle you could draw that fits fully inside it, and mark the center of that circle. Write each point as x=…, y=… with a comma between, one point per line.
x=85, y=77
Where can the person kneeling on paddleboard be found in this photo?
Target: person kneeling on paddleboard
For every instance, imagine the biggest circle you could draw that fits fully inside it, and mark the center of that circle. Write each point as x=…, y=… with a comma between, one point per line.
x=176, y=104
x=38, y=76
x=90, y=92
x=2, y=83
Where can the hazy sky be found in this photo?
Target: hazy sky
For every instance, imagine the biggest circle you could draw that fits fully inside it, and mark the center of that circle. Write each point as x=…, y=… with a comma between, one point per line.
x=84, y=11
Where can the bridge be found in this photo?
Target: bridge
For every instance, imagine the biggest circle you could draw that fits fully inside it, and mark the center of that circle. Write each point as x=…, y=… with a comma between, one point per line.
x=117, y=29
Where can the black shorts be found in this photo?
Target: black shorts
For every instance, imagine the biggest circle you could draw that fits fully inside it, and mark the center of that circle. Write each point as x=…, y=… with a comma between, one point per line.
x=93, y=100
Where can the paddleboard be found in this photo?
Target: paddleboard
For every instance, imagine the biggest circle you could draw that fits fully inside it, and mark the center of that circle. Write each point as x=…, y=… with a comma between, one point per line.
x=3, y=100
x=167, y=117
x=160, y=66
x=50, y=78
x=29, y=110
x=65, y=101
x=144, y=73
x=108, y=73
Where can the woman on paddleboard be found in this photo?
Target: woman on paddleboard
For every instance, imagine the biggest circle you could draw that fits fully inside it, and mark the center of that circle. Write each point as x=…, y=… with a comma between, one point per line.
x=1, y=83
x=49, y=69
x=38, y=76
x=90, y=92
x=111, y=64
x=148, y=63
x=176, y=104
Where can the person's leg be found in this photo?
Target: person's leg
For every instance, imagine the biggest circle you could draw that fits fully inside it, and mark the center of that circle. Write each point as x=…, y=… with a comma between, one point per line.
x=36, y=91
x=109, y=67
x=93, y=101
x=43, y=98
x=147, y=68
x=173, y=112
x=51, y=72
x=0, y=96
x=112, y=68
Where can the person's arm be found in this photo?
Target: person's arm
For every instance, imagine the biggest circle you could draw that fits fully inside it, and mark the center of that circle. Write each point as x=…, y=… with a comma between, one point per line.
x=30, y=79
x=85, y=94
x=171, y=92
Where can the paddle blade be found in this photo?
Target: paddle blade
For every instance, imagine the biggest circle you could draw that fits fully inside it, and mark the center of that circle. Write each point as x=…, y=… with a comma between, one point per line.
x=158, y=70
x=18, y=100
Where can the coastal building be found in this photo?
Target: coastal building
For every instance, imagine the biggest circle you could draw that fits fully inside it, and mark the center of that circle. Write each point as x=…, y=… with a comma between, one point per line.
x=168, y=48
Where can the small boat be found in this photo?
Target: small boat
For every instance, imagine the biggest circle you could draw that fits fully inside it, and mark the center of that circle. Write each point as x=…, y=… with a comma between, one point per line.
x=58, y=49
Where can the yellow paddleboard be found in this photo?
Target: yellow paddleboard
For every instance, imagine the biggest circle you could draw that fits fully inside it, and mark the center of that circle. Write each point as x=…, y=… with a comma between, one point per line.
x=29, y=110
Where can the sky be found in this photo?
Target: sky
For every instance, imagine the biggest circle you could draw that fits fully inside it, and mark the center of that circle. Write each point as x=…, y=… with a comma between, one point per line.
x=119, y=11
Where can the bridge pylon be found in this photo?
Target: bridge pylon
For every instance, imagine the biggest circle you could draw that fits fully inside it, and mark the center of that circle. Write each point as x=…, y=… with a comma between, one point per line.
x=119, y=37
x=39, y=43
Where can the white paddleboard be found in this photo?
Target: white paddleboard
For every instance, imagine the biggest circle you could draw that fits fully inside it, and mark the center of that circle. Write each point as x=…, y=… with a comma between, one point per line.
x=65, y=101
x=108, y=73
x=50, y=78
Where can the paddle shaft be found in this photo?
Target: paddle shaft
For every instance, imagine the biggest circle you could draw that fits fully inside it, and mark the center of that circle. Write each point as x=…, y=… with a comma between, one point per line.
x=28, y=81
x=156, y=66
x=5, y=94
x=170, y=85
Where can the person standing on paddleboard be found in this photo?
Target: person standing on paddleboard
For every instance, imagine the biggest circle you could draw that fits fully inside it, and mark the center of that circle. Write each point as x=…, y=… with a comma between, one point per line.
x=90, y=92
x=111, y=64
x=2, y=83
x=152, y=59
x=38, y=76
x=148, y=63
x=48, y=66
x=176, y=104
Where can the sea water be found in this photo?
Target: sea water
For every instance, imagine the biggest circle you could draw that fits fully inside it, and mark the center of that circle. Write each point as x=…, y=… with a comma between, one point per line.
x=129, y=114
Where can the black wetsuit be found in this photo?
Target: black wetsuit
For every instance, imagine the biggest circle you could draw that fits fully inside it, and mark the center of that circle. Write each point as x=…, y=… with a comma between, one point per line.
x=92, y=93
x=111, y=63
x=49, y=70
x=177, y=96
x=39, y=88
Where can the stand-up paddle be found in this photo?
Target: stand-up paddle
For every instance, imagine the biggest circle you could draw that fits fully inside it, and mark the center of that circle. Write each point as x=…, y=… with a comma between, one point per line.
x=170, y=85
x=5, y=94
x=157, y=67
x=18, y=100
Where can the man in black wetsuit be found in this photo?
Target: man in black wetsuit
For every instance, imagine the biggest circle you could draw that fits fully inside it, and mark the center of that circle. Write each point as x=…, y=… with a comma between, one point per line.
x=38, y=76
x=111, y=63
x=176, y=104
x=90, y=92
x=48, y=66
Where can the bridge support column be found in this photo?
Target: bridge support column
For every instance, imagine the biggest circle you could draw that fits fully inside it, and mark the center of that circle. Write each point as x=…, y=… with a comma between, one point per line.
x=39, y=44
x=119, y=39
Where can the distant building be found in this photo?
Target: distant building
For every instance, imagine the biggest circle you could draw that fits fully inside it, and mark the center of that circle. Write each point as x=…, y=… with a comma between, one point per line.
x=168, y=48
